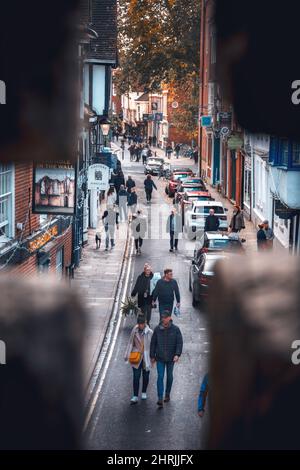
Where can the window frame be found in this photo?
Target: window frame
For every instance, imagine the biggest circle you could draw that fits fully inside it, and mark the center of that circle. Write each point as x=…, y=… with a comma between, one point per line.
x=11, y=196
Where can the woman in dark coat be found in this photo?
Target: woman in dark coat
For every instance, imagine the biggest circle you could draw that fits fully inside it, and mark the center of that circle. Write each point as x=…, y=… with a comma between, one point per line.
x=261, y=238
x=237, y=222
x=142, y=289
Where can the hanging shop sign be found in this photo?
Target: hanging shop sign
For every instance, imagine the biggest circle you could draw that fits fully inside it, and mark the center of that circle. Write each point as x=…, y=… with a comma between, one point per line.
x=224, y=118
x=154, y=106
x=54, y=188
x=206, y=121
x=235, y=142
x=175, y=104
x=99, y=176
x=158, y=116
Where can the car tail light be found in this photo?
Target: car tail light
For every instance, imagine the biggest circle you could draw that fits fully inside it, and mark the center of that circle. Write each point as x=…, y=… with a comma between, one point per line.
x=204, y=250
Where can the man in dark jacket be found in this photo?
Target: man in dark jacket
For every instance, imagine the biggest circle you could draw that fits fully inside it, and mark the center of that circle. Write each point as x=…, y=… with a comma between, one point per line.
x=142, y=289
x=119, y=180
x=130, y=183
x=165, y=290
x=122, y=200
x=165, y=349
x=212, y=222
x=149, y=185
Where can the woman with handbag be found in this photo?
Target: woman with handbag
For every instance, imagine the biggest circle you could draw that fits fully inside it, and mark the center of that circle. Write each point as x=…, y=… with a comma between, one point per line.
x=138, y=356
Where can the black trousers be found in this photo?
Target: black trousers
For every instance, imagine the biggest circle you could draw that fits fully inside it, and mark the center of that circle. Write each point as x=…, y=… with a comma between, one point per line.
x=138, y=242
x=147, y=311
x=173, y=240
x=148, y=194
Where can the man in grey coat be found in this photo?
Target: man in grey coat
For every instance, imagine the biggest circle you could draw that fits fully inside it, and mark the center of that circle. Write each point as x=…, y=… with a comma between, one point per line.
x=174, y=228
x=165, y=349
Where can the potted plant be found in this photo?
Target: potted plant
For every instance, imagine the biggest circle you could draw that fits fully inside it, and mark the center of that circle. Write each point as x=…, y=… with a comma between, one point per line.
x=129, y=307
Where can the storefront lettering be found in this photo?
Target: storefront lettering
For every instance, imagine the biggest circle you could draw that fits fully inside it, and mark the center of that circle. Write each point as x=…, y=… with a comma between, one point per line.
x=40, y=241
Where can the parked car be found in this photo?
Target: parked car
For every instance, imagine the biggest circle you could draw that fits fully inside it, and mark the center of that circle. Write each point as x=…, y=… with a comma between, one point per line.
x=188, y=197
x=201, y=275
x=219, y=241
x=195, y=181
x=195, y=217
x=175, y=176
x=153, y=165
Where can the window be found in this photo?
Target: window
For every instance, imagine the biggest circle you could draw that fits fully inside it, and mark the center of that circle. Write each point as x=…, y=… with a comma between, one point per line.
x=295, y=154
x=206, y=209
x=60, y=262
x=284, y=153
x=6, y=201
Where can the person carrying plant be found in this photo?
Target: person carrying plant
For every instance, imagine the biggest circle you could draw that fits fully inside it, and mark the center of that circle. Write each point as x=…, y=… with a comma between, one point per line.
x=142, y=289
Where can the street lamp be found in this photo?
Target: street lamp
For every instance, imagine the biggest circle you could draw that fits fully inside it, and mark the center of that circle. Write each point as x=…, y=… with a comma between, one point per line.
x=105, y=128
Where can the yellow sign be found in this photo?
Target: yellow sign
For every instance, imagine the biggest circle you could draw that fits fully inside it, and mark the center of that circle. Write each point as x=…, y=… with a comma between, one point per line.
x=40, y=241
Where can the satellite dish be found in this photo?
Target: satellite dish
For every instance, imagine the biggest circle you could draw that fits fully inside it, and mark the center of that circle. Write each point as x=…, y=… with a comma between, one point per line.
x=175, y=104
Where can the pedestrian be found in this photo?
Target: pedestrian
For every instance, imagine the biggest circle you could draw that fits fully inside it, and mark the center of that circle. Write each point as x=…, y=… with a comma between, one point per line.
x=169, y=150
x=161, y=172
x=142, y=289
x=195, y=155
x=110, y=221
x=111, y=197
x=144, y=155
x=154, y=141
x=179, y=188
x=177, y=150
x=122, y=203
x=138, y=355
x=136, y=153
x=149, y=185
x=165, y=349
x=150, y=141
x=261, y=238
x=130, y=183
x=269, y=234
x=132, y=201
x=212, y=222
x=203, y=396
x=237, y=222
x=131, y=151
x=165, y=291
x=119, y=180
x=139, y=230
x=174, y=228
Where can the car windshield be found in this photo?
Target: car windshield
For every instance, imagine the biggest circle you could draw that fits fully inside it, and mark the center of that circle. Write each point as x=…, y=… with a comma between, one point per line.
x=195, y=188
x=194, y=181
x=219, y=243
x=205, y=209
x=155, y=162
x=198, y=198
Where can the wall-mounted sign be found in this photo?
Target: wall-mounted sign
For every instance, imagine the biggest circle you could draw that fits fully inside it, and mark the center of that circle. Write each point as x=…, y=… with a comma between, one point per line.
x=42, y=239
x=154, y=106
x=145, y=117
x=206, y=121
x=99, y=176
x=225, y=131
x=54, y=188
x=235, y=142
x=175, y=104
x=158, y=116
x=224, y=117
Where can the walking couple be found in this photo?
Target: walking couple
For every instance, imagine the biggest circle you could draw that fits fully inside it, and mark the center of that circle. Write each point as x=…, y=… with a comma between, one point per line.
x=146, y=347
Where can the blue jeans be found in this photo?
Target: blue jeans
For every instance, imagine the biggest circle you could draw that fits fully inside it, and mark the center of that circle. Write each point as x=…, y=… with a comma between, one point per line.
x=163, y=307
x=161, y=366
x=136, y=379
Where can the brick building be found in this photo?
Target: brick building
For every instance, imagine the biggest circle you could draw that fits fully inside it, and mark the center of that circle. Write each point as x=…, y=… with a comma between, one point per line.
x=30, y=243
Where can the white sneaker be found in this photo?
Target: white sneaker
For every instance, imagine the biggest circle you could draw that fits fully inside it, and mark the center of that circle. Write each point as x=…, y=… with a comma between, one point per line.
x=144, y=396
x=134, y=400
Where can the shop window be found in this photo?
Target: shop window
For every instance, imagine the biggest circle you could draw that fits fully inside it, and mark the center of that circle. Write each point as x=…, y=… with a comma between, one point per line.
x=6, y=201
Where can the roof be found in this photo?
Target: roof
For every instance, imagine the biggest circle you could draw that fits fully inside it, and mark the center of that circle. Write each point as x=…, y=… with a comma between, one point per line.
x=101, y=16
x=143, y=97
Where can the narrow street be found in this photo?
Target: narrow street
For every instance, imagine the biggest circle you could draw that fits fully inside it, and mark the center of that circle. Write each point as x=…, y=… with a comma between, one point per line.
x=115, y=424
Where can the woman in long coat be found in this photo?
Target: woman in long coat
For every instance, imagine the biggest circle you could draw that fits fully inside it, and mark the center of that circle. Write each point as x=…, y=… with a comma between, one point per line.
x=139, y=341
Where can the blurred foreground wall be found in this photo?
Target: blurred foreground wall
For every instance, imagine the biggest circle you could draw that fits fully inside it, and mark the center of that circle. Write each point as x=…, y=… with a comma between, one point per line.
x=254, y=386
